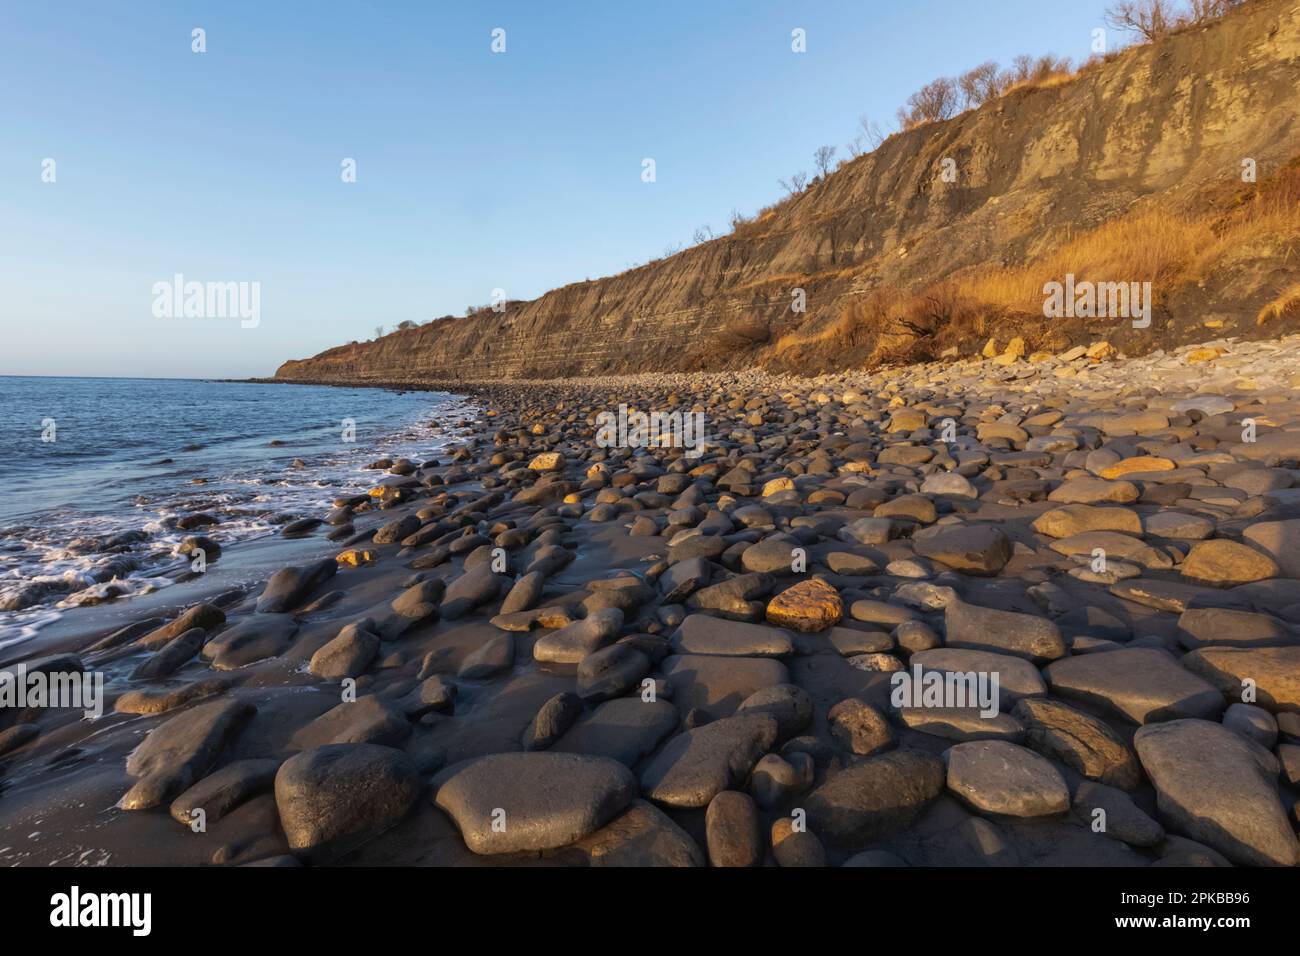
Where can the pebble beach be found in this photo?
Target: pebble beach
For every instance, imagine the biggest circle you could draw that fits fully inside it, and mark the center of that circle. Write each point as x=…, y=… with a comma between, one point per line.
x=540, y=647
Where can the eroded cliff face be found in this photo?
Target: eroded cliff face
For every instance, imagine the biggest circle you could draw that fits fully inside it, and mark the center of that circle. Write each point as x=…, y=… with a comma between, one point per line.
x=1161, y=123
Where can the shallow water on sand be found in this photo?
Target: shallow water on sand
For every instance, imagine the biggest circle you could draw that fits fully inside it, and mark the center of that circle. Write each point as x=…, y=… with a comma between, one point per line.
x=98, y=474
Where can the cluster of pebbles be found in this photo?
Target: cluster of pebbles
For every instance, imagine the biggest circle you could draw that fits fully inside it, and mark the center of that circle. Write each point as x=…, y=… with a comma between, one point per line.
x=543, y=650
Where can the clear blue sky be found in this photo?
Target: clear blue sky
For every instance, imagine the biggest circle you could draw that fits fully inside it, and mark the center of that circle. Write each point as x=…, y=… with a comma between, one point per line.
x=475, y=170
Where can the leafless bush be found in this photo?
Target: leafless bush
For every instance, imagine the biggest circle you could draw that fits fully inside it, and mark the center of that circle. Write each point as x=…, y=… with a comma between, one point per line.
x=796, y=184
x=1151, y=19
x=871, y=132
x=822, y=159
x=935, y=101
x=981, y=84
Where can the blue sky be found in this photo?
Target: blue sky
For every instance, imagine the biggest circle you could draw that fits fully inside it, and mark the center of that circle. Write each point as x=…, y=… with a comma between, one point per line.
x=475, y=170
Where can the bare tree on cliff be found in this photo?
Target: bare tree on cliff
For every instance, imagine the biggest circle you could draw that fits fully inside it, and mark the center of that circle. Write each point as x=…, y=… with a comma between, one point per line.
x=795, y=184
x=933, y=102
x=1150, y=19
x=822, y=159
x=981, y=84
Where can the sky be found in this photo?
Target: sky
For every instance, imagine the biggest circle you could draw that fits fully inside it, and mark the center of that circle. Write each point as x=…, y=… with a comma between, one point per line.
x=475, y=170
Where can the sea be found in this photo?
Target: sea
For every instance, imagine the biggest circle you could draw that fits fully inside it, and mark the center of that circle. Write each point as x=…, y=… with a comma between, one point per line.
x=97, y=474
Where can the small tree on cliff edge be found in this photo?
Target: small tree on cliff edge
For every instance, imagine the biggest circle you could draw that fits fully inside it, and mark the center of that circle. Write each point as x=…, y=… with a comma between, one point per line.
x=931, y=103
x=822, y=159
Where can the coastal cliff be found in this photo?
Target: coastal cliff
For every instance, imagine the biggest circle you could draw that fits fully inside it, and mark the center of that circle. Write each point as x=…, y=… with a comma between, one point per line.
x=1164, y=130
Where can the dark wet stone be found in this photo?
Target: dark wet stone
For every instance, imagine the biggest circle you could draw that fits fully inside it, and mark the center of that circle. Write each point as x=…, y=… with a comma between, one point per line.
x=698, y=764
x=538, y=801
x=332, y=798
x=176, y=753
x=416, y=605
x=702, y=634
x=471, y=590
x=570, y=644
x=348, y=654
x=611, y=671
x=254, y=639
x=172, y=656
x=877, y=797
x=206, y=616
x=397, y=529
x=494, y=656
x=641, y=836
x=553, y=719
x=221, y=791
x=733, y=830
x=289, y=587
x=624, y=729
x=1078, y=740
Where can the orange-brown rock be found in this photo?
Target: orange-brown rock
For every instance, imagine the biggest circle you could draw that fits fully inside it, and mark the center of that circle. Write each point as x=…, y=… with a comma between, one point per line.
x=808, y=606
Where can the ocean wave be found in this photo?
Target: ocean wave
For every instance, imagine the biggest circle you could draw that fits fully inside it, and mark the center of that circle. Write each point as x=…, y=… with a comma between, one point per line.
x=68, y=557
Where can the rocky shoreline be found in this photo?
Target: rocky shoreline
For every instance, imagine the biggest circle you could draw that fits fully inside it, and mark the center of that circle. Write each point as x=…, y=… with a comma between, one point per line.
x=545, y=647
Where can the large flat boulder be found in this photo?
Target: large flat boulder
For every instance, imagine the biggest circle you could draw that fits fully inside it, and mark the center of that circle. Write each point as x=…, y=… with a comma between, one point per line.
x=1080, y=741
x=697, y=765
x=333, y=798
x=257, y=638
x=704, y=634
x=289, y=587
x=1034, y=638
x=1142, y=684
x=179, y=751
x=874, y=798
x=1000, y=778
x=978, y=549
x=1280, y=540
x=643, y=835
x=1273, y=673
x=1219, y=788
x=1017, y=678
x=624, y=729
x=511, y=802
x=719, y=685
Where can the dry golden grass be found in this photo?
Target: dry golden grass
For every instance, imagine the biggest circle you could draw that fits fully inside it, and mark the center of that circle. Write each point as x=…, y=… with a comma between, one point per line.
x=1168, y=249
x=1286, y=304
x=1147, y=246
x=1060, y=78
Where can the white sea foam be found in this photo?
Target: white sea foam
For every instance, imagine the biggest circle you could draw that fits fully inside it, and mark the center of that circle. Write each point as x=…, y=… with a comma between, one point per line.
x=66, y=558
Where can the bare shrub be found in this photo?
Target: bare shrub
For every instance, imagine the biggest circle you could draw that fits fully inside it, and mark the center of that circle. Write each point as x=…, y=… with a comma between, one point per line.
x=1202, y=11
x=822, y=159
x=1150, y=19
x=980, y=85
x=796, y=184
x=936, y=101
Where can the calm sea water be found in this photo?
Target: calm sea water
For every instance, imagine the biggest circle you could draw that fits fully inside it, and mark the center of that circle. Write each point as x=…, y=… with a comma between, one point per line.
x=97, y=472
